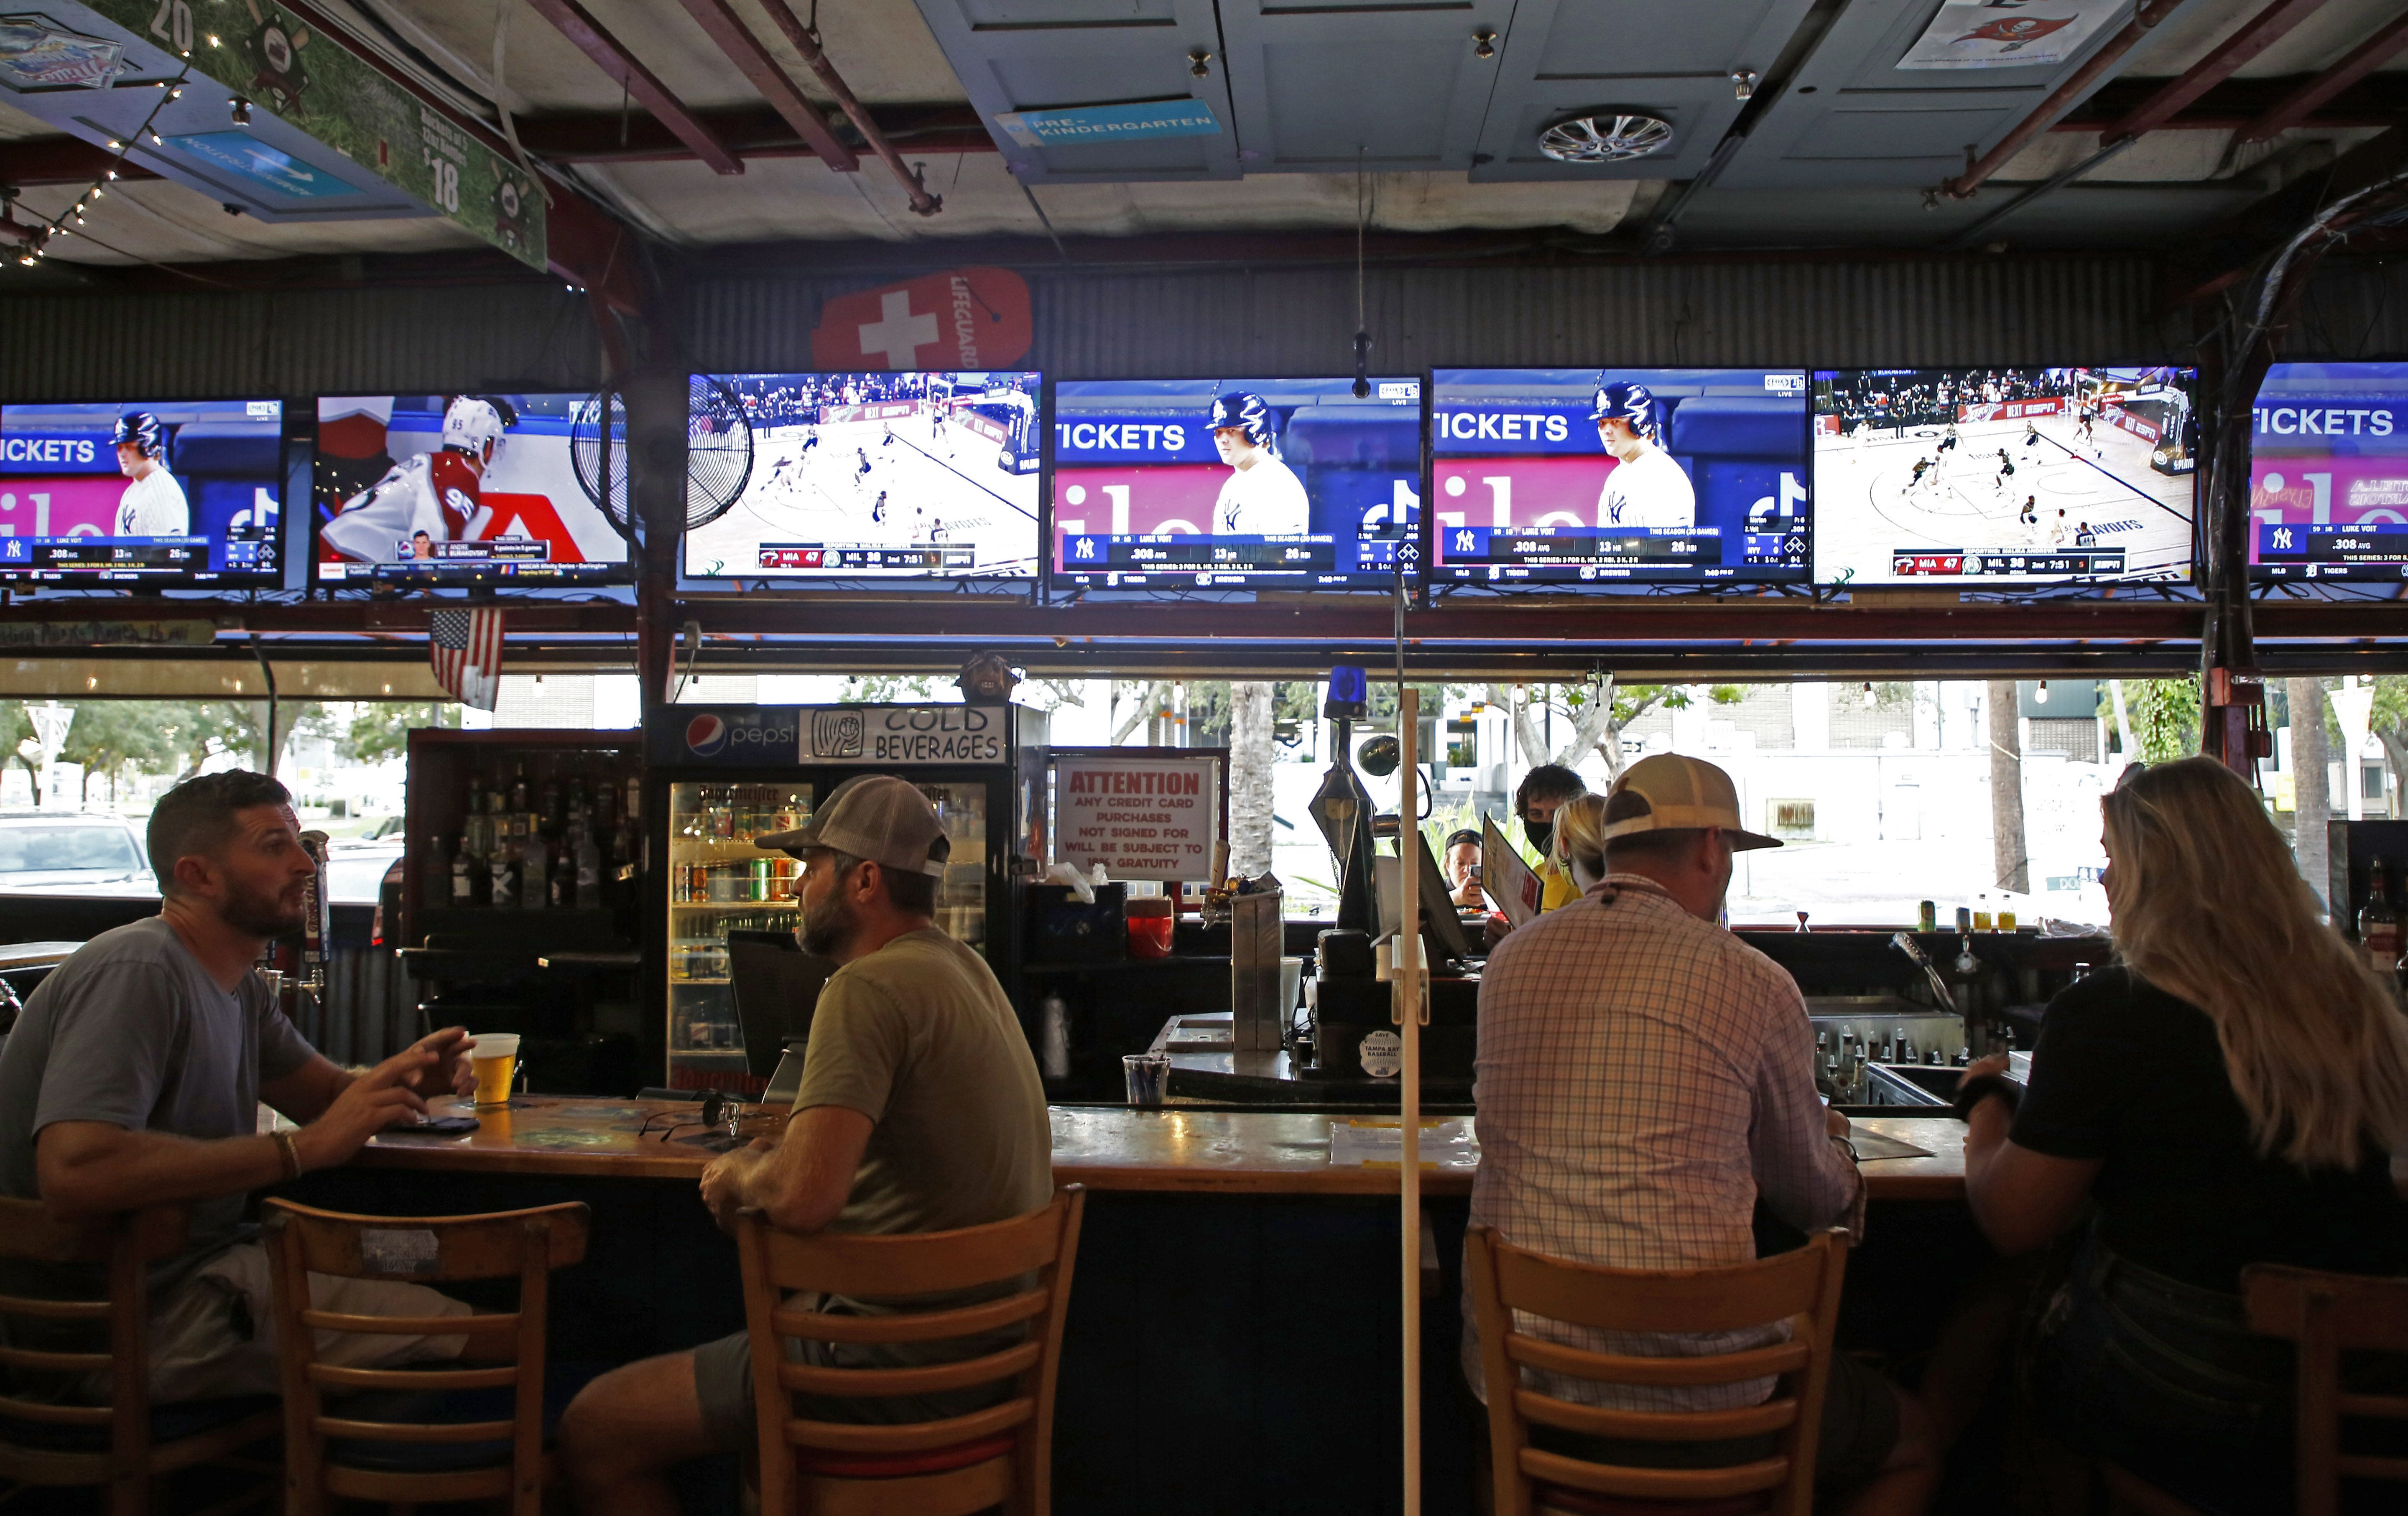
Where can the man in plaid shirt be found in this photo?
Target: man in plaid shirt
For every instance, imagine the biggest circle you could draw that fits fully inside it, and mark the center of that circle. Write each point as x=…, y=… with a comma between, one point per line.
x=1644, y=1077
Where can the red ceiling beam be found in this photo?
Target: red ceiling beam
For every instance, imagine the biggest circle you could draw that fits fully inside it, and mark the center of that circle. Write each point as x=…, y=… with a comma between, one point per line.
x=744, y=50
x=62, y=160
x=749, y=131
x=807, y=42
x=2094, y=70
x=2233, y=105
x=2362, y=60
x=595, y=41
x=2262, y=30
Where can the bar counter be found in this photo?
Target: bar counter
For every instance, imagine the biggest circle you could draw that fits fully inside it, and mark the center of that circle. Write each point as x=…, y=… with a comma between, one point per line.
x=1168, y=1151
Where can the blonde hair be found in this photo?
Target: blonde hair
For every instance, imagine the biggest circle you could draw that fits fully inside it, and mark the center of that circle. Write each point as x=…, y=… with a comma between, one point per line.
x=2209, y=905
x=1580, y=833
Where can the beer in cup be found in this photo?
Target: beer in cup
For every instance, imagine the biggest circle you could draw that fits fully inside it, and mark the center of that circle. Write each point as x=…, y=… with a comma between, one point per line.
x=494, y=1057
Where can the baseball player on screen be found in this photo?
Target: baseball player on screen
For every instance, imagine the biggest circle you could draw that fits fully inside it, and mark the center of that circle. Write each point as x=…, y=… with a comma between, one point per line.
x=1262, y=497
x=1646, y=487
x=154, y=505
x=437, y=495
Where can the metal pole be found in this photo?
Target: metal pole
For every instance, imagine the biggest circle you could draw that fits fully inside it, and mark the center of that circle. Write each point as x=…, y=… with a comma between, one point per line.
x=1409, y=1095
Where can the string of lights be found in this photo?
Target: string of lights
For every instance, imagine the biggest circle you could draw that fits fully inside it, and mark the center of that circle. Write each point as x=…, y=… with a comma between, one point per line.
x=37, y=236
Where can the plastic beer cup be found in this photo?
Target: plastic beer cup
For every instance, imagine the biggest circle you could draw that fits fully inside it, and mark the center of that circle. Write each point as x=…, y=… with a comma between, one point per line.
x=494, y=1057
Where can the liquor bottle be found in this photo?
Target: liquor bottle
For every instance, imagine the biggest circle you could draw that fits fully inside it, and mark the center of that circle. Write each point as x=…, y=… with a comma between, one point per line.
x=535, y=888
x=2006, y=915
x=463, y=884
x=2378, y=924
x=589, y=870
x=551, y=804
x=502, y=867
x=519, y=787
x=435, y=874
x=1982, y=912
x=563, y=878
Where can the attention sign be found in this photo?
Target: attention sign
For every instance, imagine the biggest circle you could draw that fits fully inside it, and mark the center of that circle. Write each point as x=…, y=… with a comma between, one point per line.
x=1140, y=818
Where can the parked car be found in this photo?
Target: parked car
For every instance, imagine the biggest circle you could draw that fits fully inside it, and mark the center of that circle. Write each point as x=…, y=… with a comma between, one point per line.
x=355, y=869
x=64, y=853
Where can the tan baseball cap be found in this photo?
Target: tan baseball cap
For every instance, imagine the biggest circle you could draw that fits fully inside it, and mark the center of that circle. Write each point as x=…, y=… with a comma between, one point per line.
x=1680, y=793
x=879, y=817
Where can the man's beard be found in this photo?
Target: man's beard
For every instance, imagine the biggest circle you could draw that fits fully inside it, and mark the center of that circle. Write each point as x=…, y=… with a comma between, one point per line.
x=257, y=913
x=828, y=926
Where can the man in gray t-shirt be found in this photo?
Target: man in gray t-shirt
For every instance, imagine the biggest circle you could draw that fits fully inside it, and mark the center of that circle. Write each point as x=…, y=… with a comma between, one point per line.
x=134, y=1079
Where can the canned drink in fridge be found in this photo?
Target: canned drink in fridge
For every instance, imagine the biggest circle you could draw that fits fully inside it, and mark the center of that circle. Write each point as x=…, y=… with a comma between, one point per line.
x=761, y=878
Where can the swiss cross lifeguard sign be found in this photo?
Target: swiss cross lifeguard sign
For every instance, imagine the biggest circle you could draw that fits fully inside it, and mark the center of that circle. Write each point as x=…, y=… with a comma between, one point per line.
x=1147, y=817
x=973, y=319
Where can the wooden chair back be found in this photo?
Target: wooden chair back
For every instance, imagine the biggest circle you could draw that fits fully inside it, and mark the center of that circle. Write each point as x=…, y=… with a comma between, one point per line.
x=895, y=1269
x=123, y=1247
x=507, y=1348
x=2327, y=1315
x=1801, y=1288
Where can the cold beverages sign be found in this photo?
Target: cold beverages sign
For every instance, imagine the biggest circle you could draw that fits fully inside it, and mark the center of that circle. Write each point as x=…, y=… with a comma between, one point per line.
x=1140, y=818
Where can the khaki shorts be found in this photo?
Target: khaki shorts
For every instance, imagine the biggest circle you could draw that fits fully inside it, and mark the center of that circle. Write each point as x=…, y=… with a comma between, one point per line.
x=213, y=1335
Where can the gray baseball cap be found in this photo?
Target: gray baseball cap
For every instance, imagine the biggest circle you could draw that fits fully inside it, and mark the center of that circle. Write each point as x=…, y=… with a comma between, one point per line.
x=879, y=817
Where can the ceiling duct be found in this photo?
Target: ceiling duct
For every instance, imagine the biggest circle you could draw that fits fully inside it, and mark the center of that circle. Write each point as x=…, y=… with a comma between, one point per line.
x=1604, y=136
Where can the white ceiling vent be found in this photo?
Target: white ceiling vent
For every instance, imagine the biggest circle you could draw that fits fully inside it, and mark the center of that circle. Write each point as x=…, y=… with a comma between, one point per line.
x=1604, y=137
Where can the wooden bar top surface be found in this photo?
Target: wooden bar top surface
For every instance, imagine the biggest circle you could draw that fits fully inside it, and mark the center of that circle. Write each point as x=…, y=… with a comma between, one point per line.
x=1103, y=1148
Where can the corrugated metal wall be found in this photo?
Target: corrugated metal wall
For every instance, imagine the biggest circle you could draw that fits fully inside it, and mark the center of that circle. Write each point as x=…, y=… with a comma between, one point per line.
x=296, y=344
x=1105, y=322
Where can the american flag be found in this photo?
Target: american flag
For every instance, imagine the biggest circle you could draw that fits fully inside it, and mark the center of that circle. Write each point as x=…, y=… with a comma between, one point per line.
x=465, y=648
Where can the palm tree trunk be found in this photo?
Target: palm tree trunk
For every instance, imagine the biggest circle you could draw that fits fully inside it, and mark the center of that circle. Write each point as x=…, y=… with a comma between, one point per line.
x=2310, y=783
x=1250, y=777
x=2010, y=867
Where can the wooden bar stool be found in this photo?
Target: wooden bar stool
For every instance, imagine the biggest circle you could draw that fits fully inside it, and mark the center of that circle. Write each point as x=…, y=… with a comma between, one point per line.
x=431, y=1459
x=1802, y=1287
x=2327, y=1315
x=127, y=1443
x=1002, y=1455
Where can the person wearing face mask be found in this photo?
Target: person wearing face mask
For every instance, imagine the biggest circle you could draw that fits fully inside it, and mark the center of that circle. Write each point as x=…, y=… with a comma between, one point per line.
x=1642, y=1079
x=1545, y=791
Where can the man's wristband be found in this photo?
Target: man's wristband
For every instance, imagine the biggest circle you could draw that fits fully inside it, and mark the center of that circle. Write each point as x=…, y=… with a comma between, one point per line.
x=1980, y=1088
x=288, y=1149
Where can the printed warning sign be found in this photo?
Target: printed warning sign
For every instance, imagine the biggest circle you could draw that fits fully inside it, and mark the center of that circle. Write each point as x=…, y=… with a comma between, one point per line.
x=1140, y=818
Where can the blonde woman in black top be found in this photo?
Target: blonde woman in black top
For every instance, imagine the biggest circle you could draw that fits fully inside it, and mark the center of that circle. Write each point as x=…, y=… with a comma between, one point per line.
x=2231, y=1093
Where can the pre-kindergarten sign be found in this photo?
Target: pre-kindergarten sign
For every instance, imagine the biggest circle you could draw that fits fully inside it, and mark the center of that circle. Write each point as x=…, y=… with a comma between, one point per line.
x=1140, y=818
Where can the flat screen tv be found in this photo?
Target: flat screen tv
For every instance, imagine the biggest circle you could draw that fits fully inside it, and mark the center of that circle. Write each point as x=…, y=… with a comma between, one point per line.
x=1240, y=484
x=2328, y=473
x=878, y=477
x=2003, y=477
x=435, y=489
x=1571, y=477
x=144, y=494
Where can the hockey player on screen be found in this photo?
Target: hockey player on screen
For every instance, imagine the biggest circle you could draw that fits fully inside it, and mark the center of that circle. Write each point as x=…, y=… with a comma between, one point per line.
x=1262, y=497
x=438, y=494
x=154, y=505
x=1646, y=487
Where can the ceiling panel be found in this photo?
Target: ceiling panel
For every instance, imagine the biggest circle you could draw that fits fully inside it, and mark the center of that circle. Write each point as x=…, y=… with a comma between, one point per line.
x=1850, y=117
x=1565, y=57
x=1322, y=86
x=1015, y=55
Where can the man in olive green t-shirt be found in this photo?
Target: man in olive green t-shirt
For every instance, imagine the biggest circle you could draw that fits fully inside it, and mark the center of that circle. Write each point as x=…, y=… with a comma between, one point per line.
x=919, y=1111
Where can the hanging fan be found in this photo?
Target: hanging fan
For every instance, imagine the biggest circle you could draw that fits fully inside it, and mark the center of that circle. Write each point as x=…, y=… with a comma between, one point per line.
x=718, y=456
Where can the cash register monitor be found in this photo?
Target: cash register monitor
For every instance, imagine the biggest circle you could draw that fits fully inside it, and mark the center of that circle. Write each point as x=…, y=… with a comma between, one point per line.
x=1439, y=923
x=777, y=988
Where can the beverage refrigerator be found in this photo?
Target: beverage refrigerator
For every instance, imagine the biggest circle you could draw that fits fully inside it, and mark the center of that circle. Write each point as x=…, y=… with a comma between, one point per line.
x=720, y=776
